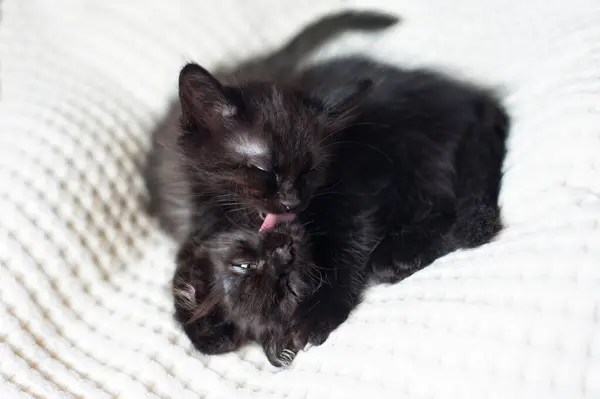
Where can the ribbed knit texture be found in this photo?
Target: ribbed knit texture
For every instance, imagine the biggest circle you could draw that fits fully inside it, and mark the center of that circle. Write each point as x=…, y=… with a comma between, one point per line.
x=85, y=309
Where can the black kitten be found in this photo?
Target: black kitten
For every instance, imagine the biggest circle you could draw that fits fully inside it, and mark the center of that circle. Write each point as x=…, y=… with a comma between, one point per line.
x=388, y=169
x=229, y=155
x=391, y=175
x=244, y=286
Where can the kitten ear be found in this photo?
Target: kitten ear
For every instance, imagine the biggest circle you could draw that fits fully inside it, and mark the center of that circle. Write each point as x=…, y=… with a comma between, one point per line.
x=203, y=99
x=348, y=96
x=341, y=105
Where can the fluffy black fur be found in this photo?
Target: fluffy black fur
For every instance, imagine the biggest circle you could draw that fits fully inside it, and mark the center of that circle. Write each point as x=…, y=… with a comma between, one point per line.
x=387, y=169
x=191, y=192
x=388, y=177
x=171, y=194
x=245, y=286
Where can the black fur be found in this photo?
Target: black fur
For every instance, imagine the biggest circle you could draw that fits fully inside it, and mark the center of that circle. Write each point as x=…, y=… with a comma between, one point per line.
x=171, y=199
x=388, y=170
x=245, y=286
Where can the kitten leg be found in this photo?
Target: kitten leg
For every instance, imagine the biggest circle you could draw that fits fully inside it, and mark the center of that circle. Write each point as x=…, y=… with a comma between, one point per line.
x=324, y=316
x=402, y=253
x=410, y=247
x=320, y=314
x=341, y=265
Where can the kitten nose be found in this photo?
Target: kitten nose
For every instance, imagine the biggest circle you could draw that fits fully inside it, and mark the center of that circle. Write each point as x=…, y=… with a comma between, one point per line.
x=285, y=254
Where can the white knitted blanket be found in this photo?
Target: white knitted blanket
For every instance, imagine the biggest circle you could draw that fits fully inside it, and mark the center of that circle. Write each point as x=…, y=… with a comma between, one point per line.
x=84, y=303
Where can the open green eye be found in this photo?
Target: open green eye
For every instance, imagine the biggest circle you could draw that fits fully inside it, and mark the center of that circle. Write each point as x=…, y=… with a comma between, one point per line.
x=243, y=266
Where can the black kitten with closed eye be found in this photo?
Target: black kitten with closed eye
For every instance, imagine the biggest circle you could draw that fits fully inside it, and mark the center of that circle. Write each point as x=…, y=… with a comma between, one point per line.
x=184, y=201
x=197, y=207
x=387, y=176
x=388, y=169
x=245, y=286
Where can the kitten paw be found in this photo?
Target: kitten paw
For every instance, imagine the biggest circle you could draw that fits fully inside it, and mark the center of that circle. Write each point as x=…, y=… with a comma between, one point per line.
x=285, y=358
x=394, y=272
x=316, y=331
x=389, y=266
x=279, y=352
x=318, y=338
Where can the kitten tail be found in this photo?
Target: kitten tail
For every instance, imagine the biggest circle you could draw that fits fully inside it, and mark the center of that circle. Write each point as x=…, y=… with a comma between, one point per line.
x=313, y=36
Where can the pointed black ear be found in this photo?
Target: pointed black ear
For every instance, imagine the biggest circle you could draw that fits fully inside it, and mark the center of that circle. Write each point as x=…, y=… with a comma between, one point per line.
x=203, y=99
x=347, y=96
x=342, y=104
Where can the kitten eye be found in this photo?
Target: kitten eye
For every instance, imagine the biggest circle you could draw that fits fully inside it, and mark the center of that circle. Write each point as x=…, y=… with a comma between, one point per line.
x=243, y=266
x=253, y=166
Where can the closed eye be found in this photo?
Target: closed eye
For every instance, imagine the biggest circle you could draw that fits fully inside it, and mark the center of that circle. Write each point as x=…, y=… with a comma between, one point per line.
x=259, y=174
x=262, y=169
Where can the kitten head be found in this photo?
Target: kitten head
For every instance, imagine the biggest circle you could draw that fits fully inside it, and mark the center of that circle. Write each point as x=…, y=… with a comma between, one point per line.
x=252, y=281
x=263, y=276
x=262, y=143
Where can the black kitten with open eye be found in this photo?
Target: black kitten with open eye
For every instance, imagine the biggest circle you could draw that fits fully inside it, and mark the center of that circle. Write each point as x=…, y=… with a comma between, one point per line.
x=243, y=286
x=233, y=167
x=391, y=175
x=387, y=168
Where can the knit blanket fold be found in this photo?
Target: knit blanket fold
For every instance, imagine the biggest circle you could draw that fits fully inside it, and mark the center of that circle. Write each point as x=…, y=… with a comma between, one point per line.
x=85, y=310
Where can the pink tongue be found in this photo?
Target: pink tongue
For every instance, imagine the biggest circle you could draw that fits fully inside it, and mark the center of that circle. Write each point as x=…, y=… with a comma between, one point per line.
x=271, y=220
